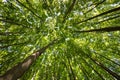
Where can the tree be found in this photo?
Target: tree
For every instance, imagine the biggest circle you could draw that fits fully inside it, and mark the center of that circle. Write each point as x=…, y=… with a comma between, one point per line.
x=59, y=39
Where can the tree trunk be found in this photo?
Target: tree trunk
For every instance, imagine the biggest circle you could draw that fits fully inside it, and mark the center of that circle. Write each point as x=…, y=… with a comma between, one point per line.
x=115, y=75
x=96, y=5
x=109, y=11
x=107, y=29
x=18, y=70
x=69, y=10
x=29, y=10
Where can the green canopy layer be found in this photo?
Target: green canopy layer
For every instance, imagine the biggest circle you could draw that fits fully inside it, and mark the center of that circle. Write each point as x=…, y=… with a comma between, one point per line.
x=59, y=39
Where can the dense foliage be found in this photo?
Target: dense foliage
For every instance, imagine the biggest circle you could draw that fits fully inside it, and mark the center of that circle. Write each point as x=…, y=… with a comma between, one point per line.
x=29, y=25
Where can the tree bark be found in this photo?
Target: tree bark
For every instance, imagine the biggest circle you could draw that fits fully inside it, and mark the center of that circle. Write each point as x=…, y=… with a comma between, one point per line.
x=18, y=70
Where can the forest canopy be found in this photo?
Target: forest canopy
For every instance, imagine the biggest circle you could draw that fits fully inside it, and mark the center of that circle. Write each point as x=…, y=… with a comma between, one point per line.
x=60, y=39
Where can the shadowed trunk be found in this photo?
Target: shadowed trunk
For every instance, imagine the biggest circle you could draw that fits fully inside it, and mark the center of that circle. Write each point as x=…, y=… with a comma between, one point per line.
x=107, y=29
x=69, y=10
x=18, y=70
x=84, y=71
x=94, y=70
x=29, y=9
x=109, y=60
x=18, y=44
x=107, y=69
x=111, y=18
x=115, y=75
x=96, y=5
x=73, y=77
x=102, y=78
x=12, y=22
x=109, y=11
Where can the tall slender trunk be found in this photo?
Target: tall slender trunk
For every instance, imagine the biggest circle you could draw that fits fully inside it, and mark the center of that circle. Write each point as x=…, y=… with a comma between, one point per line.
x=69, y=10
x=107, y=29
x=71, y=70
x=12, y=22
x=18, y=70
x=29, y=10
x=108, y=19
x=96, y=5
x=94, y=70
x=16, y=44
x=115, y=75
x=109, y=11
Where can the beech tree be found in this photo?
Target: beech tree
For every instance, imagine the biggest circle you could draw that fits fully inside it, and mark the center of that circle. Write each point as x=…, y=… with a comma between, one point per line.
x=59, y=40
